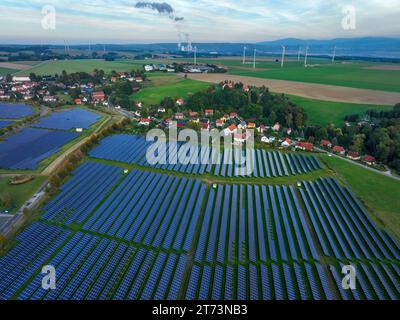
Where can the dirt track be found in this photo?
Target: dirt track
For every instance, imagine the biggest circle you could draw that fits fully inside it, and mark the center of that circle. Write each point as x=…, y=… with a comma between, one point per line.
x=309, y=90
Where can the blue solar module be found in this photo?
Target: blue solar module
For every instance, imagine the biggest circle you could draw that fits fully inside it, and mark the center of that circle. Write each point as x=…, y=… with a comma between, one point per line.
x=28, y=147
x=14, y=110
x=68, y=119
x=242, y=283
x=5, y=123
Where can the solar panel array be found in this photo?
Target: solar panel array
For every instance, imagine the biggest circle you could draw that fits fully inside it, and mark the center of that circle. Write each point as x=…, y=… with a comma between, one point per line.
x=28, y=147
x=294, y=281
x=343, y=227
x=5, y=123
x=151, y=236
x=254, y=223
x=14, y=110
x=200, y=159
x=68, y=119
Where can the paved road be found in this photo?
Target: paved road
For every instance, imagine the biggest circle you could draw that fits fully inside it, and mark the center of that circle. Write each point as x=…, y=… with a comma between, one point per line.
x=384, y=173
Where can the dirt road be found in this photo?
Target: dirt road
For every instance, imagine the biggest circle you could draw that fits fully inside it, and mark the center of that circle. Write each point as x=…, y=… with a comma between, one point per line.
x=309, y=90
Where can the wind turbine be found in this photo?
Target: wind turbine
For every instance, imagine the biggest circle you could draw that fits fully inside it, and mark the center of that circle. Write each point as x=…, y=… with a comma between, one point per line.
x=195, y=55
x=334, y=54
x=306, y=56
x=283, y=55
x=298, y=54
x=254, y=60
x=244, y=55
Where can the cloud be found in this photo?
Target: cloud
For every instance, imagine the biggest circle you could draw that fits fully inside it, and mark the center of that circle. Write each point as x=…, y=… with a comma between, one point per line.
x=160, y=7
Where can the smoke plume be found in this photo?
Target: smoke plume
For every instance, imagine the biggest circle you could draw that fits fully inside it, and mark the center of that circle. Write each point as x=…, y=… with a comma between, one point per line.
x=161, y=7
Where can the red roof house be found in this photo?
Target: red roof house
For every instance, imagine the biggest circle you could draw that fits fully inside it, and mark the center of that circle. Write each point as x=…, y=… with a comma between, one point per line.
x=353, y=155
x=209, y=112
x=339, y=149
x=325, y=143
x=306, y=146
x=370, y=160
x=98, y=96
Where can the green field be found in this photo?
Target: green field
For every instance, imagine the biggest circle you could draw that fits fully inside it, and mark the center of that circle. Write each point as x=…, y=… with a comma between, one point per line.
x=324, y=112
x=57, y=66
x=350, y=74
x=20, y=193
x=379, y=193
x=5, y=71
x=174, y=87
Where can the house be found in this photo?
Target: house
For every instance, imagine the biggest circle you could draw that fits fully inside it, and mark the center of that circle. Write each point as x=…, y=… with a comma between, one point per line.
x=353, y=155
x=98, y=96
x=114, y=79
x=228, y=85
x=144, y=121
x=209, y=112
x=139, y=104
x=139, y=79
x=276, y=127
x=339, y=150
x=232, y=129
x=286, y=143
x=246, y=88
x=289, y=131
x=251, y=125
x=233, y=115
x=305, y=146
x=193, y=114
x=268, y=140
x=21, y=79
x=148, y=68
x=179, y=116
x=162, y=110
x=261, y=129
x=240, y=137
x=50, y=99
x=242, y=125
x=219, y=123
x=205, y=127
x=224, y=118
x=369, y=160
x=28, y=96
x=78, y=101
x=79, y=130
x=180, y=102
x=325, y=143
x=122, y=75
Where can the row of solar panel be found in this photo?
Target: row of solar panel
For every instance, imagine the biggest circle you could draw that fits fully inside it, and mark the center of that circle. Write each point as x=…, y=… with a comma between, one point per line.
x=198, y=159
x=297, y=281
x=152, y=209
x=342, y=225
x=254, y=223
x=89, y=267
x=88, y=186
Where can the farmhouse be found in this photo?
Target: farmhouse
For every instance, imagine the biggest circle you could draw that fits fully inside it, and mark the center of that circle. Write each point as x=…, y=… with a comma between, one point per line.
x=209, y=112
x=180, y=102
x=305, y=146
x=325, y=143
x=251, y=125
x=162, y=110
x=21, y=79
x=98, y=96
x=219, y=123
x=78, y=101
x=50, y=99
x=353, y=155
x=339, y=150
x=286, y=143
x=144, y=121
x=276, y=127
x=230, y=130
x=369, y=160
x=179, y=116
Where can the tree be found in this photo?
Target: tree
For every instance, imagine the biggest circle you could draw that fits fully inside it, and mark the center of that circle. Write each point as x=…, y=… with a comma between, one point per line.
x=9, y=78
x=358, y=143
x=272, y=118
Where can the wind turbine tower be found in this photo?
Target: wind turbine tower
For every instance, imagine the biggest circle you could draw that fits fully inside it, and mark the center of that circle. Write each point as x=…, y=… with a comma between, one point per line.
x=244, y=55
x=334, y=54
x=283, y=56
x=195, y=55
x=254, y=60
x=306, y=56
x=298, y=54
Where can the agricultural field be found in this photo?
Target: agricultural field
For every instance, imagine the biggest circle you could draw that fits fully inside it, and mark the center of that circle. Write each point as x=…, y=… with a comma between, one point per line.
x=324, y=112
x=5, y=71
x=53, y=67
x=167, y=86
x=355, y=74
x=133, y=240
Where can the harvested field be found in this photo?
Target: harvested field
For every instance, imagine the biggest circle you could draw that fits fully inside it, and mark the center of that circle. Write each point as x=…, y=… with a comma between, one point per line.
x=16, y=66
x=385, y=67
x=309, y=90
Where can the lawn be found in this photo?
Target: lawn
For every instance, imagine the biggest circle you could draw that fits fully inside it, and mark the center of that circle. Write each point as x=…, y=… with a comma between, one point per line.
x=20, y=193
x=379, y=193
x=175, y=88
x=324, y=112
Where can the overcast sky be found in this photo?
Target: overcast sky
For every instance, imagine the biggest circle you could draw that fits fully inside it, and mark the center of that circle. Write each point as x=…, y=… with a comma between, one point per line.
x=119, y=21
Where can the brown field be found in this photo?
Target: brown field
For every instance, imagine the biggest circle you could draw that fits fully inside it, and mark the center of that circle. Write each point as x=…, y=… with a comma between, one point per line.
x=384, y=67
x=15, y=66
x=309, y=90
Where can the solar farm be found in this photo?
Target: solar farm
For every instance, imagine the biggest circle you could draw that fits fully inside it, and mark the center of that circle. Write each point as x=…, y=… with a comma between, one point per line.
x=5, y=123
x=201, y=159
x=14, y=111
x=25, y=149
x=147, y=235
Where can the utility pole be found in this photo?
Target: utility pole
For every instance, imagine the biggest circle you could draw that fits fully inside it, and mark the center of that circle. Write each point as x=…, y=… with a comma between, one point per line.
x=254, y=60
x=244, y=55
